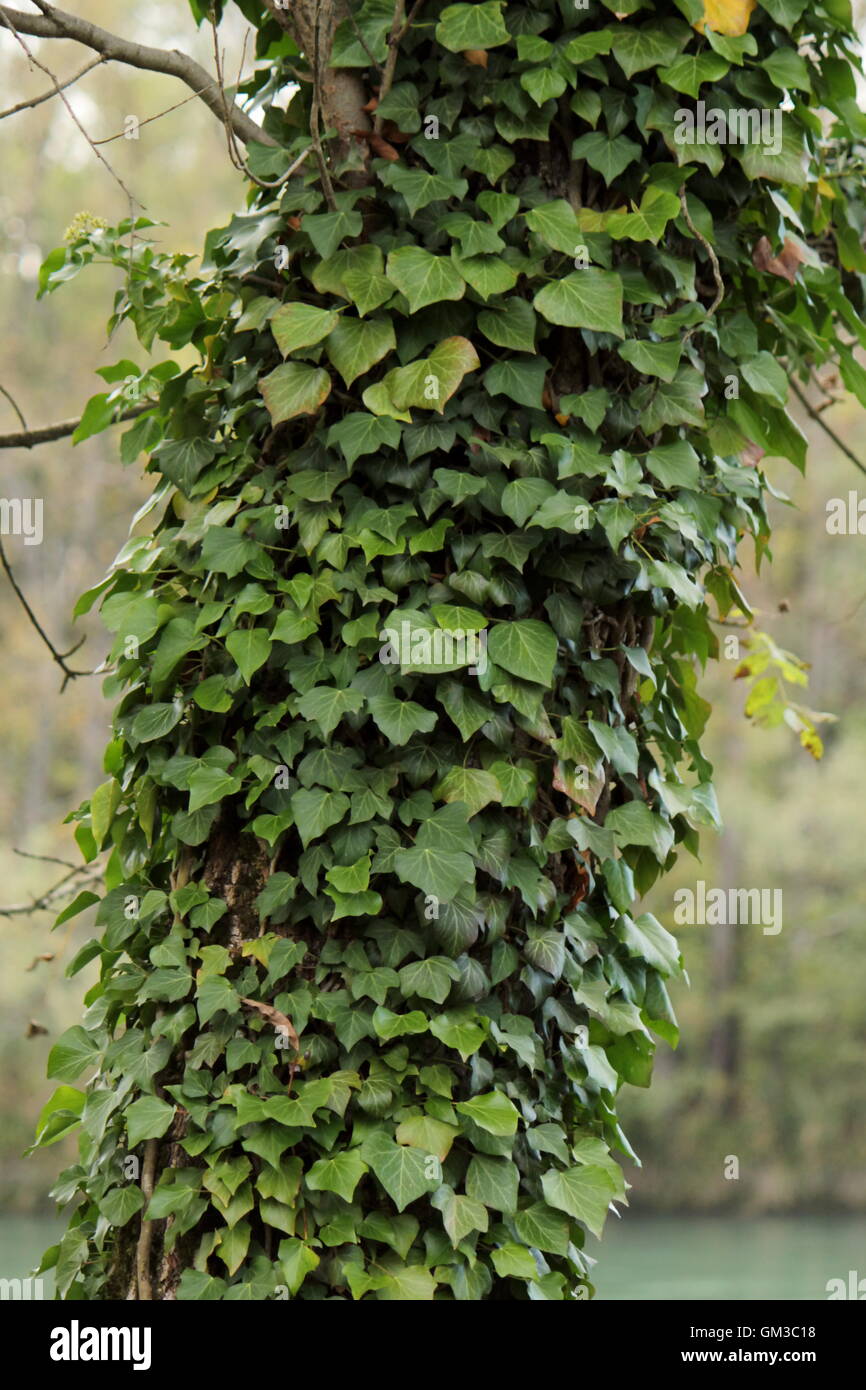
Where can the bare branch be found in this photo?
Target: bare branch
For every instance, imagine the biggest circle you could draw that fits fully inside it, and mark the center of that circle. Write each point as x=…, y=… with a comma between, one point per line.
x=57, y=24
x=8, y=21
x=25, y=439
x=831, y=434
x=714, y=262
x=46, y=96
x=77, y=878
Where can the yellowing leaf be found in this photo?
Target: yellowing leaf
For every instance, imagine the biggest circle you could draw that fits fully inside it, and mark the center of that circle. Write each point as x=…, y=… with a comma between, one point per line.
x=729, y=17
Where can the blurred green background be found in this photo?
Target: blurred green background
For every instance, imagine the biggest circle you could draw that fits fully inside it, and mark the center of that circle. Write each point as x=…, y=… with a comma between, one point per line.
x=770, y=1067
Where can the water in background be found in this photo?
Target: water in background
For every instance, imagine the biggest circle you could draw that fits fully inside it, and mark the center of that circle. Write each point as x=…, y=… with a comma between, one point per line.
x=735, y=1259
x=641, y=1259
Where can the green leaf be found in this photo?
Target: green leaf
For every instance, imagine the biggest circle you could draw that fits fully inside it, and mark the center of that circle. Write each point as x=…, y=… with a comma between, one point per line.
x=675, y=465
x=493, y=1181
x=423, y=278
x=652, y=359
x=688, y=72
x=472, y=26
x=557, y=225
x=301, y=325
x=250, y=648
x=356, y=345
x=294, y=389
x=585, y=299
x=399, y=720
x=471, y=786
x=635, y=824
x=431, y=382
x=147, y=1118
x=431, y=979
x=401, y=1170
x=360, y=433
x=340, y=1174
x=526, y=648
x=460, y=1215
x=74, y=1050
x=511, y=325
x=543, y=1228
x=316, y=811
x=609, y=157
x=122, y=1203
x=520, y=378
x=583, y=1192
x=492, y=1112
x=325, y=705
x=645, y=937
x=429, y=1135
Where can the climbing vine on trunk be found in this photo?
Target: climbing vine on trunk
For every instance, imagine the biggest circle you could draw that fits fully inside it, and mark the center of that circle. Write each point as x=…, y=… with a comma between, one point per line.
x=489, y=376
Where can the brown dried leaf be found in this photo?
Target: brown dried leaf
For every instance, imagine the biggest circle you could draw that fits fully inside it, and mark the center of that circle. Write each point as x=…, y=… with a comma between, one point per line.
x=272, y=1015
x=35, y=1030
x=784, y=265
x=382, y=148
x=476, y=56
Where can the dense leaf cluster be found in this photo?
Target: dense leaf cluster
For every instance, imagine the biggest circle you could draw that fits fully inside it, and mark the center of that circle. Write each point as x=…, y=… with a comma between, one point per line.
x=371, y=966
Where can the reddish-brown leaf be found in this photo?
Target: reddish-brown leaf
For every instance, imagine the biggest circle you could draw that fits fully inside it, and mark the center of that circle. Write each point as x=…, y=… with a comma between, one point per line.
x=272, y=1015
x=784, y=265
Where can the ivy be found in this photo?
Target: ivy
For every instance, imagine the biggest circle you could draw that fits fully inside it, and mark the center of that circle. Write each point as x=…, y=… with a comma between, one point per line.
x=405, y=661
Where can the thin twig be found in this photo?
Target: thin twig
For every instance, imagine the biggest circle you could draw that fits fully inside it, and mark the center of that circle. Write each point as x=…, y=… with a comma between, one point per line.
x=831, y=434
x=14, y=405
x=60, y=657
x=81, y=874
x=46, y=96
x=5, y=15
x=142, y=1252
x=107, y=140
x=361, y=40
x=714, y=262
x=44, y=858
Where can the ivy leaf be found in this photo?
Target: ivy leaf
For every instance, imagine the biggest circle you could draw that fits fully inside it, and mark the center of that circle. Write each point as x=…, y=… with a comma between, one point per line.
x=510, y=325
x=492, y=1112
x=250, y=648
x=399, y=720
x=356, y=345
x=557, y=225
x=609, y=157
x=419, y=187
x=401, y=1170
x=475, y=26
x=652, y=359
x=360, y=433
x=294, y=389
x=526, y=648
x=74, y=1050
x=147, y=1118
x=155, y=721
x=635, y=824
x=460, y=1215
x=316, y=811
x=585, y=299
x=326, y=705
x=583, y=1192
x=422, y=277
x=520, y=378
x=471, y=786
x=301, y=325
x=690, y=71
x=431, y=978
x=327, y=229
x=340, y=1174
x=431, y=382
x=122, y=1203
